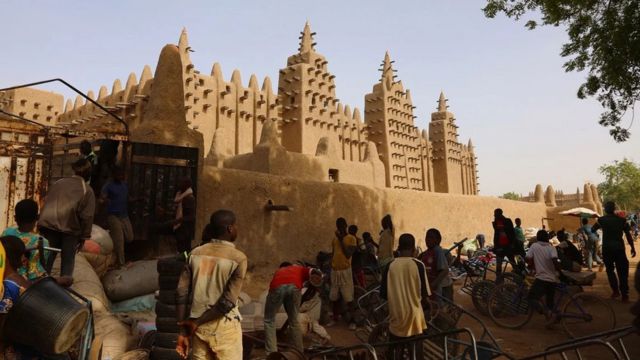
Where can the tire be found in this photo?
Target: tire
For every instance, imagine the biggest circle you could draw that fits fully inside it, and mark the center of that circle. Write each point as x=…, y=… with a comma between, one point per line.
x=158, y=353
x=585, y=314
x=480, y=293
x=168, y=282
x=167, y=325
x=165, y=310
x=166, y=340
x=147, y=340
x=167, y=297
x=509, y=307
x=170, y=266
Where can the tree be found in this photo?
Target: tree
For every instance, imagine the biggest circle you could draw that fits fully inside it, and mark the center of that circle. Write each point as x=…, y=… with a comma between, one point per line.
x=603, y=39
x=511, y=196
x=621, y=184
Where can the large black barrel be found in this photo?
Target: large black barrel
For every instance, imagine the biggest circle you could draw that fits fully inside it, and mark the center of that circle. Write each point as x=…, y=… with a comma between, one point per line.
x=46, y=317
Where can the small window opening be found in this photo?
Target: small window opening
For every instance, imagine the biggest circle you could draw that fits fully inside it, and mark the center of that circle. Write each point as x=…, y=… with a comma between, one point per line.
x=333, y=175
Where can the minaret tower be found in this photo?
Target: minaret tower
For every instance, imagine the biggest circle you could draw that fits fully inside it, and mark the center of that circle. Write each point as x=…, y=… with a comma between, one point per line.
x=389, y=115
x=306, y=92
x=447, y=151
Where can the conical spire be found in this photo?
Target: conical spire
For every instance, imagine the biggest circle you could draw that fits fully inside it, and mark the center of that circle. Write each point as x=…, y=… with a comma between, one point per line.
x=103, y=92
x=253, y=82
x=235, y=78
x=442, y=102
x=183, y=42
x=68, y=106
x=387, y=70
x=306, y=40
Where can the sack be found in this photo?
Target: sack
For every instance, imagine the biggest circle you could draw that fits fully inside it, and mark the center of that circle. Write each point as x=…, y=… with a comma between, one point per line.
x=101, y=237
x=137, y=279
x=100, y=263
x=86, y=282
x=91, y=246
x=139, y=303
x=116, y=336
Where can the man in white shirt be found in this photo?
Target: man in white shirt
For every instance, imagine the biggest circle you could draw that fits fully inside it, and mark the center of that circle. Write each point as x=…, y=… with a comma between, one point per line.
x=543, y=257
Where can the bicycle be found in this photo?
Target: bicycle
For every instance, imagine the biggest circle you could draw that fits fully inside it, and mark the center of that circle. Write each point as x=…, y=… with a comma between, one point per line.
x=580, y=314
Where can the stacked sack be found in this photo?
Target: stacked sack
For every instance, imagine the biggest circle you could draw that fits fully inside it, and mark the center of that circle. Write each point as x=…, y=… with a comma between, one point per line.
x=112, y=335
x=99, y=250
x=164, y=345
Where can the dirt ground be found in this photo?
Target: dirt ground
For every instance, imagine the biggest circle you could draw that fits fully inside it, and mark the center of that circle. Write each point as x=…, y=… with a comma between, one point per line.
x=533, y=337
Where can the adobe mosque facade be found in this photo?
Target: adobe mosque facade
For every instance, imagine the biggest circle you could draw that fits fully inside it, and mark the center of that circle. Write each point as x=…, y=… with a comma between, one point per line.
x=300, y=130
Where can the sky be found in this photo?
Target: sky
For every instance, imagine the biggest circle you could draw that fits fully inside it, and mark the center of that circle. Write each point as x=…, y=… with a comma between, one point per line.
x=505, y=84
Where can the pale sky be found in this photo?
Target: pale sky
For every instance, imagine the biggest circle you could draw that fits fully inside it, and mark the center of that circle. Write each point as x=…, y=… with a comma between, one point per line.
x=505, y=84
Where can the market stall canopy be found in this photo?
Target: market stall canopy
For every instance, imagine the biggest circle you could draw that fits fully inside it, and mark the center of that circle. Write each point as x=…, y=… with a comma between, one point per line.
x=580, y=212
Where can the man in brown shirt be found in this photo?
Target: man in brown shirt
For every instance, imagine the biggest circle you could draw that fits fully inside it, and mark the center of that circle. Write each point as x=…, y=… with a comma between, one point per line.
x=215, y=275
x=67, y=217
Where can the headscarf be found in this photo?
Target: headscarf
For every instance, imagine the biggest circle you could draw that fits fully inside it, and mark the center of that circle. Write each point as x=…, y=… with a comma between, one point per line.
x=3, y=263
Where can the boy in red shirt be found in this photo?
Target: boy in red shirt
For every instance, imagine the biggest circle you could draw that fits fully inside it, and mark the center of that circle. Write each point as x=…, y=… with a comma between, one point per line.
x=285, y=289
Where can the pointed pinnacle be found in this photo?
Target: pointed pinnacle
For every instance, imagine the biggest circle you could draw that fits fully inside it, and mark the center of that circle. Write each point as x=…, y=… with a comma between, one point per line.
x=387, y=70
x=442, y=102
x=306, y=42
x=183, y=42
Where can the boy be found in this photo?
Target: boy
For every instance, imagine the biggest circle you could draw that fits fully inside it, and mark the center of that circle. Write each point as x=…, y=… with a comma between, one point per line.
x=543, y=258
x=357, y=263
x=406, y=289
x=344, y=245
x=26, y=216
x=371, y=260
x=286, y=289
x=591, y=245
x=14, y=283
x=437, y=266
x=115, y=194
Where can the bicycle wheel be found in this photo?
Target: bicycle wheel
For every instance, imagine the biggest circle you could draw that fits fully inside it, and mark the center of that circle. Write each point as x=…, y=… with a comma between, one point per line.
x=513, y=278
x=509, y=307
x=380, y=335
x=480, y=295
x=585, y=314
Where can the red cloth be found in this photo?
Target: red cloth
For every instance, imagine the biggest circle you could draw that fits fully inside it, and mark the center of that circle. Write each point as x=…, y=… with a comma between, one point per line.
x=294, y=274
x=503, y=239
x=430, y=263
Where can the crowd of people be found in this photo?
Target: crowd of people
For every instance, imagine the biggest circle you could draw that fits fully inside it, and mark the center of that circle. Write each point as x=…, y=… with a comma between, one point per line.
x=209, y=288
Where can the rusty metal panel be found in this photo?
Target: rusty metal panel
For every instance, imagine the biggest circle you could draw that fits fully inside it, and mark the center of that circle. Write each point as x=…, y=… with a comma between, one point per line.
x=5, y=175
x=24, y=162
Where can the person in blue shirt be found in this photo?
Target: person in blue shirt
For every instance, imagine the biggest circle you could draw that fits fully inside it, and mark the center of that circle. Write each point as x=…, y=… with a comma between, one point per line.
x=115, y=194
x=26, y=216
x=14, y=283
x=592, y=240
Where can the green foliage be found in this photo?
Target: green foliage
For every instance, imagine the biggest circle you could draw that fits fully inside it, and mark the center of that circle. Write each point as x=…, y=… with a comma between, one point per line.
x=604, y=39
x=622, y=184
x=511, y=196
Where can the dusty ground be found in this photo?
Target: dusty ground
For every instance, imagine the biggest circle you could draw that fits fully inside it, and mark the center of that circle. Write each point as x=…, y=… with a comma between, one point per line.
x=532, y=338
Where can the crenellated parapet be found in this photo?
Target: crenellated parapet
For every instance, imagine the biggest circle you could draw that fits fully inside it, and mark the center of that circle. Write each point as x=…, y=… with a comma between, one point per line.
x=128, y=102
x=307, y=123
